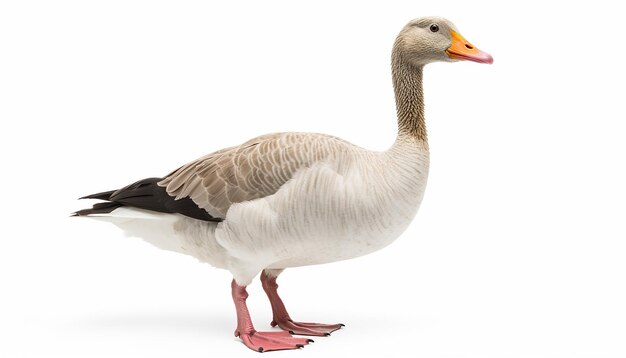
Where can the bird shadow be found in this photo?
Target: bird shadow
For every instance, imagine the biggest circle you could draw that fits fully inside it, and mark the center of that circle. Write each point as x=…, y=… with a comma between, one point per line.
x=157, y=321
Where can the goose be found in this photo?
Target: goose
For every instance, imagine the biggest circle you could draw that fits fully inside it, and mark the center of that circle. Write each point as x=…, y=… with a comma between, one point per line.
x=292, y=199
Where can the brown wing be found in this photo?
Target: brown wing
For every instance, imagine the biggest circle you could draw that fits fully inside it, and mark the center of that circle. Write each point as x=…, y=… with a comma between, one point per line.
x=253, y=170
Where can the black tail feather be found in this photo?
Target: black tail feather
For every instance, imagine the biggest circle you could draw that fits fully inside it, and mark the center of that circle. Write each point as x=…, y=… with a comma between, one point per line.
x=99, y=208
x=146, y=194
x=102, y=196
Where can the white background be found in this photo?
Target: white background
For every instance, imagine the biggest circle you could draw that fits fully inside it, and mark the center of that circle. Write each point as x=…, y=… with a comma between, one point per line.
x=518, y=249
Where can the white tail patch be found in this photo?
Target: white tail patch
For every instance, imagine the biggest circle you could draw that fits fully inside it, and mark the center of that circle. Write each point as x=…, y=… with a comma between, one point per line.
x=153, y=227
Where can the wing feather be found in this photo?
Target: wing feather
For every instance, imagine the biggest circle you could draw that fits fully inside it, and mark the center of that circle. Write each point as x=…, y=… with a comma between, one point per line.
x=253, y=170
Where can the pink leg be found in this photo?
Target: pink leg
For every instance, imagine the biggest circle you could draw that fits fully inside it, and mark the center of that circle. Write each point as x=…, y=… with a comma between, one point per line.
x=281, y=317
x=259, y=341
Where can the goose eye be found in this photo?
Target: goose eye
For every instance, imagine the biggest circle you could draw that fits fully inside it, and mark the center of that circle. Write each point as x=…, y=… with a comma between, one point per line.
x=434, y=27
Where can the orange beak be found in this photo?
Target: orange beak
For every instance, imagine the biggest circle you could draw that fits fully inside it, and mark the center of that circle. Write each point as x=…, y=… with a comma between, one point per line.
x=461, y=49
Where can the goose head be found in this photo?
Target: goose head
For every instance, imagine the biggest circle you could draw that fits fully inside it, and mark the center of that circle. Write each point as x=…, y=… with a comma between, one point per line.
x=430, y=39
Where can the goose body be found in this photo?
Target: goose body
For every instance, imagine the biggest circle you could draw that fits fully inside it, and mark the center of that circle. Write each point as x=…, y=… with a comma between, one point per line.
x=293, y=199
x=342, y=203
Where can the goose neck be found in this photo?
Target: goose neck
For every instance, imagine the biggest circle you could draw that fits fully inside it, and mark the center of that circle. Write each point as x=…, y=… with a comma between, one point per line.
x=407, y=84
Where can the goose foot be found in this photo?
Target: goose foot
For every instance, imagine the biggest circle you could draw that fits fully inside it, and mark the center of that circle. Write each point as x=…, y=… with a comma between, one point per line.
x=271, y=341
x=260, y=341
x=281, y=317
x=307, y=329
